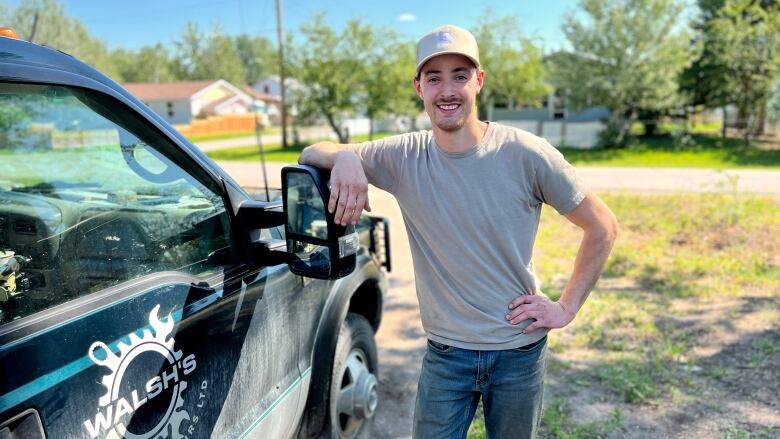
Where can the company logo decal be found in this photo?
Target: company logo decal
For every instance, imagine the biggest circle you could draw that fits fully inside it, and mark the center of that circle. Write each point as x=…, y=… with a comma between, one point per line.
x=116, y=406
x=445, y=37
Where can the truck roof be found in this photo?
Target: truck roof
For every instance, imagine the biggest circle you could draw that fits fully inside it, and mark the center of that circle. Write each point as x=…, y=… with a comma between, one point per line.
x=22, y=52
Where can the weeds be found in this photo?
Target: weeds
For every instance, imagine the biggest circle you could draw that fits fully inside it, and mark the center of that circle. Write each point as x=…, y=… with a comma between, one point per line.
x=632, y=344
x=632, y=379
x=557, y=423
x=736, y=432
x=681, y=245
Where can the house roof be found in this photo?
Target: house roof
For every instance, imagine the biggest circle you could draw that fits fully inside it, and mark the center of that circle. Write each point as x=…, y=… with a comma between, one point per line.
x=166, y=90
x=265, y=97
x=212, y=107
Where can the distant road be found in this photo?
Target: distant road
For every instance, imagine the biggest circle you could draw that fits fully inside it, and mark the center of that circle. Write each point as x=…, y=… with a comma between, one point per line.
x=600, y=178
x=755, y=181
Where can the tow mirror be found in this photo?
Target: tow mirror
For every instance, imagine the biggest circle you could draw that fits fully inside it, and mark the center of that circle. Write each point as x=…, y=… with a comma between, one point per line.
x=317, y=247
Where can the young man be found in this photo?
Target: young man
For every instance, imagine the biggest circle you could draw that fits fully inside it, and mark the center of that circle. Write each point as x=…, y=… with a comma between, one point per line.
x=471, y=194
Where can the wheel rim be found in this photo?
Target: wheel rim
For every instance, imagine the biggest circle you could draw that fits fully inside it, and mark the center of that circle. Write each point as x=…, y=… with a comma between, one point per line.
x=357, y=397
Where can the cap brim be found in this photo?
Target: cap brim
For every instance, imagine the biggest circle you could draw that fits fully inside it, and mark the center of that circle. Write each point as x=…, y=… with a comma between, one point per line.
x=444, y=52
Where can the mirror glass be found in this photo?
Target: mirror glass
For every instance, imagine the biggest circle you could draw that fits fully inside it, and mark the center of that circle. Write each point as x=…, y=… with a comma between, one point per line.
x=306, y=216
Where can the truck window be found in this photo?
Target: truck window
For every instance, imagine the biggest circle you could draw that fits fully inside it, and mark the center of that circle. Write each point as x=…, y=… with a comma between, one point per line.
x=89, y=198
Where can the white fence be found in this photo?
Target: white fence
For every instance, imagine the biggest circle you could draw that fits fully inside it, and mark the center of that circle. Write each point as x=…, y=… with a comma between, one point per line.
x=583, y=135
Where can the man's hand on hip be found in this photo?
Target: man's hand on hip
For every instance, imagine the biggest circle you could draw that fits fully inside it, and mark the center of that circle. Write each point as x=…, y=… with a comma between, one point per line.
x=547, y=313
x=348, y=189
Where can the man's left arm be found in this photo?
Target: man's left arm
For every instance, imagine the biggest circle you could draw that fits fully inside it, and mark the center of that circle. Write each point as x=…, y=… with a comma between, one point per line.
x=600, y=228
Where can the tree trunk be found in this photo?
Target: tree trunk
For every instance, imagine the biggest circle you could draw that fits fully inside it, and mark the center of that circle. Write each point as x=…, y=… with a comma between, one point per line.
x=336, y=129
x=650, y=127
x=625, y=128
x=761, y=121
x=484, y=106
x=481, y=108
x=489, y=110
x=723, y=128
x=370, y=127
x=34, y=27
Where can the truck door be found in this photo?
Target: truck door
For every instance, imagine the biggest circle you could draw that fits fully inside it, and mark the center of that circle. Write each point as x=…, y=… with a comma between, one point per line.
x=125, y=309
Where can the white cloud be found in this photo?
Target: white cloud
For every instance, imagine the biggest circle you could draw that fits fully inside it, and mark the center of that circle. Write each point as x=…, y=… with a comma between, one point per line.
x=407, y=17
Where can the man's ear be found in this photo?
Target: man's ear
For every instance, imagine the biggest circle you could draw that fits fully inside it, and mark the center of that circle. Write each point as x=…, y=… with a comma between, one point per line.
x=480, y=80
x=417, y=87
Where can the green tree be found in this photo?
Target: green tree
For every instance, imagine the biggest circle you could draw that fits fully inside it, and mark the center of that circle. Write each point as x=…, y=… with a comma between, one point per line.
x=331, y=67
x=11, y=117
x=45, y=22
x=258, y=56
x=626, y=55
x=220, y=60
x=743, y=39
x=147, y=64
x=514, y=71
x=187, y=51
x=387, y=81
x=207, y=56
x=702, y=82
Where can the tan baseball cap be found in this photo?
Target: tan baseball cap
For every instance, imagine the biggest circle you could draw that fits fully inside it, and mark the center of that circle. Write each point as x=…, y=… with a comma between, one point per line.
x=447, y=39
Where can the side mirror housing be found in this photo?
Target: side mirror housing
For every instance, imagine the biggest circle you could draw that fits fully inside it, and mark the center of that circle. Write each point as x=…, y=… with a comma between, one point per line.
x=317, y=247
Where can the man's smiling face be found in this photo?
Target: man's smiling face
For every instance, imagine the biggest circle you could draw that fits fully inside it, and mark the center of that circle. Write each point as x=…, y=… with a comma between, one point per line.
x=449, y=85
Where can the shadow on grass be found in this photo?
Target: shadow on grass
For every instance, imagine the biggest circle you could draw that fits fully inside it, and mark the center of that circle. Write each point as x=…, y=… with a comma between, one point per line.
x=729, y=151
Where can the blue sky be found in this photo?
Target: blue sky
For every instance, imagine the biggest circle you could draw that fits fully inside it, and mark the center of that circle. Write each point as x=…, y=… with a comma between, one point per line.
x=132, y=24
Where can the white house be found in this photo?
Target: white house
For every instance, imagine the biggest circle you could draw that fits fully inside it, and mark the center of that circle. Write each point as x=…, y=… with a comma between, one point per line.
x=272, y=85
x=180, y=102
x=271, y=105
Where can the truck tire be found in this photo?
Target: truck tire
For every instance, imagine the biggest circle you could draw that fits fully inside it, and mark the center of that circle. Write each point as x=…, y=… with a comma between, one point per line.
x=353, y=394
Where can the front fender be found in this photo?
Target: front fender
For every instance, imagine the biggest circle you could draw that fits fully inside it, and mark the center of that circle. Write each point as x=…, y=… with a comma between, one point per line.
x=366, y=283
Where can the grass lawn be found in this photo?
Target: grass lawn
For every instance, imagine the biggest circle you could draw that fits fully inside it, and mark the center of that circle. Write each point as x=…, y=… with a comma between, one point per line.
x=699, y=151
x=275, y=152
x=681, y=337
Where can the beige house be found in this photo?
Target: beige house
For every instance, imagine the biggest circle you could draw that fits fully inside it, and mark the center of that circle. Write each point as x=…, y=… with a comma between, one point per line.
x=181, y=102
x=272, y=104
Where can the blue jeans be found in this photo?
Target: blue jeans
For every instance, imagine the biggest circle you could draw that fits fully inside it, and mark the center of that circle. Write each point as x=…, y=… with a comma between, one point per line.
x=510, y=383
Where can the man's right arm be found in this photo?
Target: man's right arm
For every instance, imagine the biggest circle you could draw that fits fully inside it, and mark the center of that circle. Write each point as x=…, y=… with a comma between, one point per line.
x=348, y=182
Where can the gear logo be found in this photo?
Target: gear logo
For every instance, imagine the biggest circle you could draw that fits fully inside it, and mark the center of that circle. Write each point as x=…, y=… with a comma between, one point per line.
x=115, y=410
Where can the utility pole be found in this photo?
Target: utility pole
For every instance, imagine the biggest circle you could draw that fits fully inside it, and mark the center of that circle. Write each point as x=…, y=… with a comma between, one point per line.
x=34, y=26
x=281, y=70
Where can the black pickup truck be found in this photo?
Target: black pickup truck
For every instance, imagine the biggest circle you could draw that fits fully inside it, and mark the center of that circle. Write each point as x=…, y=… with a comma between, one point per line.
x=145, y=294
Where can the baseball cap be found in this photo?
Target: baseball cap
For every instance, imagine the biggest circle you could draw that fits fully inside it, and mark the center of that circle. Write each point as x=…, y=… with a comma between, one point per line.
x=447, y=39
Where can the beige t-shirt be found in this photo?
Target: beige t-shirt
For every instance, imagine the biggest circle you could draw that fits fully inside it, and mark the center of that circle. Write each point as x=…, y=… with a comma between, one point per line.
x=472, y=219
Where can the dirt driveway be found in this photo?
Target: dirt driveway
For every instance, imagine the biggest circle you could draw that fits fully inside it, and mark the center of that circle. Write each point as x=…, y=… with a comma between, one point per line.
x=401, y=340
